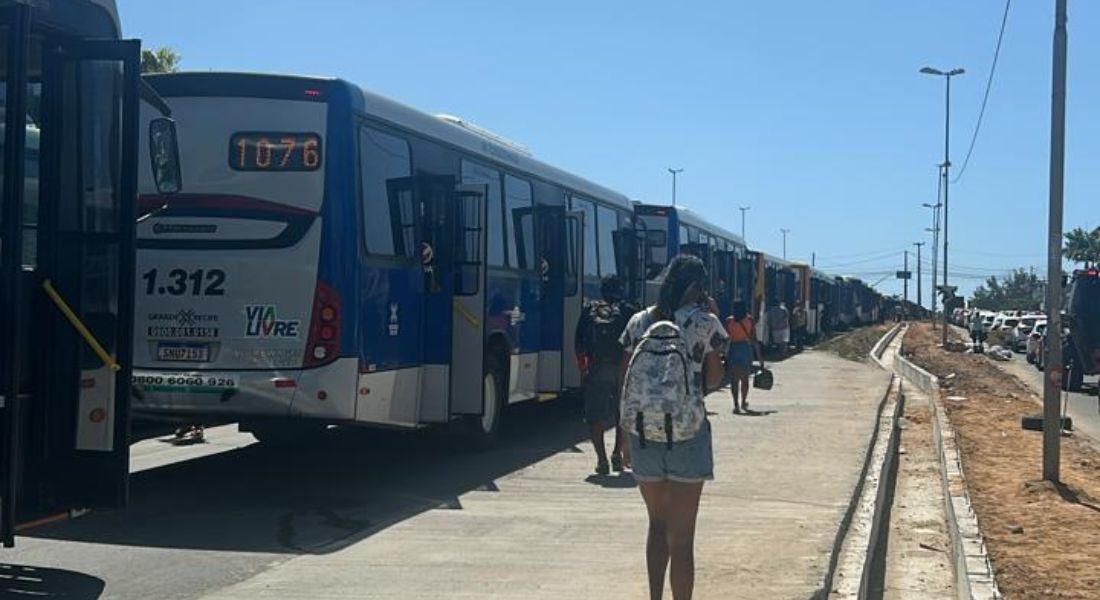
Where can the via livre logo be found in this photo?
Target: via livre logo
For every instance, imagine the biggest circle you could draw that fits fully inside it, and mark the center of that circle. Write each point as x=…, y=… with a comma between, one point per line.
x=262, y=321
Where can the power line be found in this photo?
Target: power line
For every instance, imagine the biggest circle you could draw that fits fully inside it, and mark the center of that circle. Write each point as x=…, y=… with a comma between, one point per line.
x=985, y=98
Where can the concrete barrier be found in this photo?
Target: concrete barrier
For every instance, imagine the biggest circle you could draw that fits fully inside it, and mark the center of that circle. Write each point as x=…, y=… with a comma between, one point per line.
x=857, y=565
x=973, y=572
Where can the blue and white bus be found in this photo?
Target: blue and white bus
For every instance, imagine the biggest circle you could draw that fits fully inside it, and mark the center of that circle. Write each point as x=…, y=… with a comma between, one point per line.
x=342, y=258
x=666, y=231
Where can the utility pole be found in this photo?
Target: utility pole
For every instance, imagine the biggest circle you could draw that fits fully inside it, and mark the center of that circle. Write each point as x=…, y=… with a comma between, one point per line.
x=935, y=231
x=918, y=245
x=813, y=259
x=785, y=232
x=674, y=172
x=905, y=280
x=1052, y=421
x=947, y=75
x=743, y=210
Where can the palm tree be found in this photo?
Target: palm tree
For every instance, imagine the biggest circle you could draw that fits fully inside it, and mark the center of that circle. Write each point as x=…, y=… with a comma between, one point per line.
x=159, y=60
x=1083, y=246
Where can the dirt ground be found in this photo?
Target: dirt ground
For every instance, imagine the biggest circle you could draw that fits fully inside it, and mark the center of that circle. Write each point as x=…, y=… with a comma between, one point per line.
x=856, y=344
x=1044, y=540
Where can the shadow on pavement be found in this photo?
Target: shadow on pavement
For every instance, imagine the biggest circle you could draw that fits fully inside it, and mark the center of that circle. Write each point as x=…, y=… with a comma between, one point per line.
x=21, y=581
x=617, y=481
x=347, y=487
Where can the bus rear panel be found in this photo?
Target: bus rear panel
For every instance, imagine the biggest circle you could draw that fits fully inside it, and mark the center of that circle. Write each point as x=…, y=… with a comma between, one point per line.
x=236, y=314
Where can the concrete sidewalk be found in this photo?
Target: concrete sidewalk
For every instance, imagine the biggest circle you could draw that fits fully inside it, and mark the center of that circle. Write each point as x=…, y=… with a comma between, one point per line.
x=552, y=530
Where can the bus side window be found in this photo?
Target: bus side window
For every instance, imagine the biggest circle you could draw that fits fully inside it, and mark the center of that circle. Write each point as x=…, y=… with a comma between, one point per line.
x=521, y=222
x=473, y=172
x=387, y=217
x=607, y=223
x=591, y=260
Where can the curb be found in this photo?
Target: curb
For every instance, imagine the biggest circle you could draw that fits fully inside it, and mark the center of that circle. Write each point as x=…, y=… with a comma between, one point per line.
x=973, y=572
x=858, y=547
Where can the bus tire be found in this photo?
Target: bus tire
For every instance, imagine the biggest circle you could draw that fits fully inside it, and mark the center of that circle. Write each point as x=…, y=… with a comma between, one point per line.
x=483, y=431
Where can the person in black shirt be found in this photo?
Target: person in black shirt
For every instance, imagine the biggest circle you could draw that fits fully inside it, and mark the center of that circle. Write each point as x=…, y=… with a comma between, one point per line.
x=600, y=356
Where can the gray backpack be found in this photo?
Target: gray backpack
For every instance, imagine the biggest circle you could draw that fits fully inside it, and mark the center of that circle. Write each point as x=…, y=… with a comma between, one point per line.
x=657, y=402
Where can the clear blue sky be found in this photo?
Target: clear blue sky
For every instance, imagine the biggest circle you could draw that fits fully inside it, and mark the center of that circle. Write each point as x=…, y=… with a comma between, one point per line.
x=811, y=112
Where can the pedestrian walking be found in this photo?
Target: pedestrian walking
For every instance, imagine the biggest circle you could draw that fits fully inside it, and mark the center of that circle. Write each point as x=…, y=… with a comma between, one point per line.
x=977, y=332
x=798, y=326
x=676, y=348
x=600, y=356
x=779, y=324
x=744, y=348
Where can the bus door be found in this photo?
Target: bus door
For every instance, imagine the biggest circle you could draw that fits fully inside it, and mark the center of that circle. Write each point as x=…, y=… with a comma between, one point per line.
x=573, y=297
x=630, y=253
x=70, y=159
x=550, y=221
x=468, y=333
x=433, y=223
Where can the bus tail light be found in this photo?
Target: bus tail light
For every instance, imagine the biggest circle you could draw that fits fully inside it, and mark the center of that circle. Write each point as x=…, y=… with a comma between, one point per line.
x=324, y=328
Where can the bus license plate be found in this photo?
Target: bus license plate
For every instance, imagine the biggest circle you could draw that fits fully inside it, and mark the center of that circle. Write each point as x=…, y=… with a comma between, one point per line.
x=183, y=352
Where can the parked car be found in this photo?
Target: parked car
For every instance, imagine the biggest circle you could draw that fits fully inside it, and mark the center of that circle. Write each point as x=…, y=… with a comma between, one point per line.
x=1082, y=317
x=1076, y=379
x=1035, y=341
x=988, y=319
x=1019, y=334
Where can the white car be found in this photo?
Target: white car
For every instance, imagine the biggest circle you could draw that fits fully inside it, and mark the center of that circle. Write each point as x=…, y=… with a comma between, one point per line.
x=1035, y=341
x=1019, y=334
x=1005, y=324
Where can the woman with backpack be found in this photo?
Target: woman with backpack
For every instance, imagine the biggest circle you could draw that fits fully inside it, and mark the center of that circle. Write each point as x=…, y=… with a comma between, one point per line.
x=743, y=350
x=675, y=353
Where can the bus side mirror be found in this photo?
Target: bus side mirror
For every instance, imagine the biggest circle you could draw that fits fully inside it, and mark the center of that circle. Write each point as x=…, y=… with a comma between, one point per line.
x=164, y=154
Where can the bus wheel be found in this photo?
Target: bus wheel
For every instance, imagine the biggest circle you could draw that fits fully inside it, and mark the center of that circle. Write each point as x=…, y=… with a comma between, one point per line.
x=483, y=430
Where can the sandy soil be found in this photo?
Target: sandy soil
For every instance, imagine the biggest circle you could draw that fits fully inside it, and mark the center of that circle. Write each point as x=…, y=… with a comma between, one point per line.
x=856, y=344
x=1044, y=540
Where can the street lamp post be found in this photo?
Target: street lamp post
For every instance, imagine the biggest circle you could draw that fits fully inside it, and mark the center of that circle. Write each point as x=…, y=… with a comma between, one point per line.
x=743, y=210
x=784, y=232
x=947, y=75
x=674, y=172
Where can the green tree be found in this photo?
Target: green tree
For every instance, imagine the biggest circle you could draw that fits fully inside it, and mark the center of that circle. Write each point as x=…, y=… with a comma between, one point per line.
x=160, y=60
x=1020, y=290
x=1082, y=246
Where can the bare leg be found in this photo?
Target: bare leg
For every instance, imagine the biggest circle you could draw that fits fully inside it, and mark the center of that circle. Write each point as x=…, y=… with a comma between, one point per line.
x=683, y=508
x=656, y=545
x=620, y=433
x=596, y=431
x=745, y=390
x=736, y=385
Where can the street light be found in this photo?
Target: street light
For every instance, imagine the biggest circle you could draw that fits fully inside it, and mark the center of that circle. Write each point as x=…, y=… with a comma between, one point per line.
x=947, y=75
x=674, y=172
x=784, y=232
x=743, y=210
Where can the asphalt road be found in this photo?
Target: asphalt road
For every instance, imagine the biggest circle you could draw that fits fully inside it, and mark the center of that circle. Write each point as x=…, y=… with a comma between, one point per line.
x=206, y=516
x=1084, y=407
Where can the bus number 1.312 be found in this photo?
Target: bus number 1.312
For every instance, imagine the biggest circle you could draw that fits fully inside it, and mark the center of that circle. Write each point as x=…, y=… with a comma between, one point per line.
x=179, y=282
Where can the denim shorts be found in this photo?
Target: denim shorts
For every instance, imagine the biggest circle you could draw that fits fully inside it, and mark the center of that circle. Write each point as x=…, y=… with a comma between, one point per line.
x=689, y=461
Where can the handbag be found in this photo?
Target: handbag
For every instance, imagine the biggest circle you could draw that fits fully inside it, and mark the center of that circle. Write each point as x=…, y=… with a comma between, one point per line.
x=763, y=378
